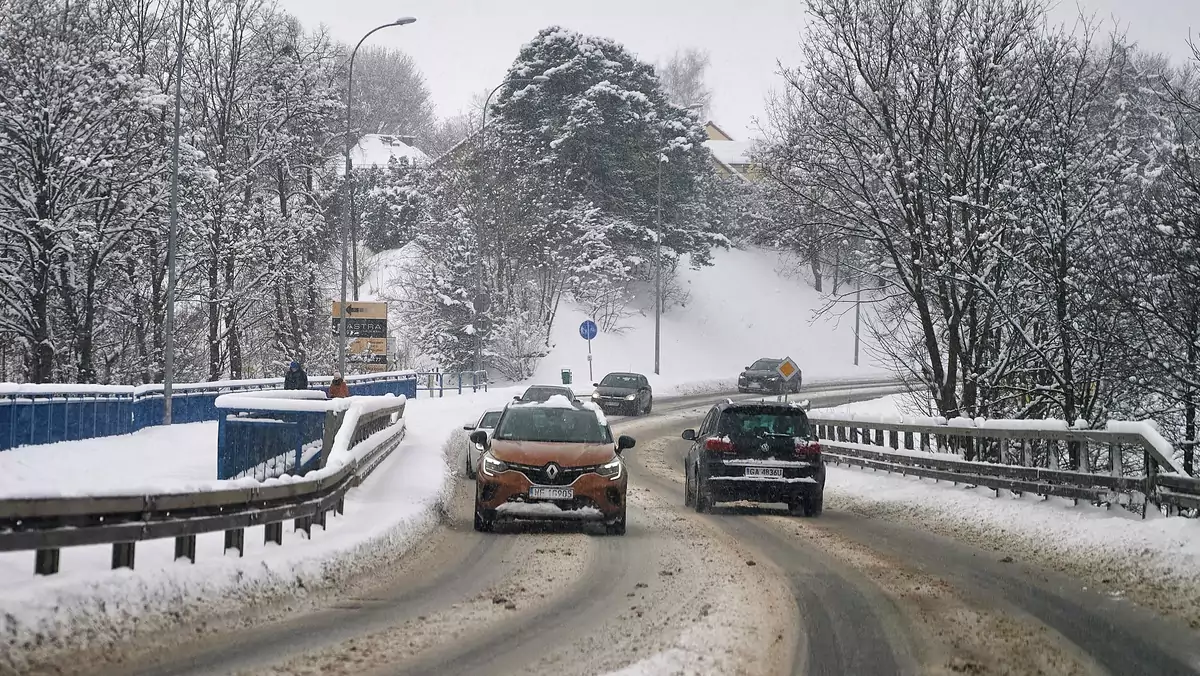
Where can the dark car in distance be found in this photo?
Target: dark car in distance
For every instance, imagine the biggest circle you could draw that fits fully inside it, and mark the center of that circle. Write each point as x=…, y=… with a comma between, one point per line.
x=762, y=376
x=628, y=393
x=755, y=451
x=542, y=393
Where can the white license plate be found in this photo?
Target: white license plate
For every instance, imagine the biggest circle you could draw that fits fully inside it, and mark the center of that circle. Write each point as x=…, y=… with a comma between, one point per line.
x=754, y=386
x=765, y=472
x=551, y=493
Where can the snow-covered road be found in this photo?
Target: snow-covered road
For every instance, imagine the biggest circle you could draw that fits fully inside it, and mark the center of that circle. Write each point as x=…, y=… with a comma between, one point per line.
x=898, y=576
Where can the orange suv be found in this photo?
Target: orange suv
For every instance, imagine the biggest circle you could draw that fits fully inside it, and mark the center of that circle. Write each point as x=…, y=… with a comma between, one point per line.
x=550, y=460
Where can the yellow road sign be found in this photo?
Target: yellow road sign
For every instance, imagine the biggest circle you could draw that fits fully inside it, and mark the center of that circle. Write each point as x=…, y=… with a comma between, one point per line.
x=787, y=369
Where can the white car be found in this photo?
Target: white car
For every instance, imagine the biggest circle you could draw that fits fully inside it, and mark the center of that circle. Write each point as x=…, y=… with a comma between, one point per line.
x=486, y=423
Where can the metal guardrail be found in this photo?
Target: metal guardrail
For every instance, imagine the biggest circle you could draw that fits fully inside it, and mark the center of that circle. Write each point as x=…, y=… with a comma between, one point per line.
x=49, y=524
x=892, y=447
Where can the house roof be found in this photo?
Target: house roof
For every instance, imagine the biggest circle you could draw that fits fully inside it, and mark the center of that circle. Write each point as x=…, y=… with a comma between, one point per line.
x=376, y=150
x=731, y=152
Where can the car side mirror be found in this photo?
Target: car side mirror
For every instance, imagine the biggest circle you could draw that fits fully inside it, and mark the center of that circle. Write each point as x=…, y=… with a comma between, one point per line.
x=479, y=437
x=595, y=384
x=625, y=442
x=689, y=435
x=746, y=368
x=468, y=427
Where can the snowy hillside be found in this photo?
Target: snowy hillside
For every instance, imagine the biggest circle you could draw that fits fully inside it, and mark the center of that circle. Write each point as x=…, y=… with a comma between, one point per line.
x=738, y=310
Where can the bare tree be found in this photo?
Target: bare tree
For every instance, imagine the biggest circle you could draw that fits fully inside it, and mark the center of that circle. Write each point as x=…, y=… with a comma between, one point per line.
x=682, y=78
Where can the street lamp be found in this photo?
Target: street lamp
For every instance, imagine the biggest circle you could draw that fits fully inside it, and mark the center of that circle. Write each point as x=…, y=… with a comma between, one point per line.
x=402, y=21
x=662, y=158
x=479, y=306
x=173, y=230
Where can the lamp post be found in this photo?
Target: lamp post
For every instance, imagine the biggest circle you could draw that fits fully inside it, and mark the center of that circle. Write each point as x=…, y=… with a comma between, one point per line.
x=658, y=299
x=479, y=305
x=403, y=21
x=173, y=230
x=658, y=263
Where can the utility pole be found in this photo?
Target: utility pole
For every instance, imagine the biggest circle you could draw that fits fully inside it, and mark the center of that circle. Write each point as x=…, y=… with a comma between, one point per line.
x=173, y=230
x=857, y=316
x=658, y=268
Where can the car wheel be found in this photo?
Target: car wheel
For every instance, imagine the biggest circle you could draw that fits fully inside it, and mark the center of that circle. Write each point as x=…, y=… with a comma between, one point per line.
x=649, y=405
x=796, y=506
x=689, y=494
x=470, y=469
x=703, y=501
x=485, y=520
x=616, y=526
x=814, y=504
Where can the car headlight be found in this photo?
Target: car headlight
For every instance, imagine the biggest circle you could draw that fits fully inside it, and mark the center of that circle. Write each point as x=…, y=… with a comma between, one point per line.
x=492, y=466
x=630, y=397
x=611, y=469
x=596, y=394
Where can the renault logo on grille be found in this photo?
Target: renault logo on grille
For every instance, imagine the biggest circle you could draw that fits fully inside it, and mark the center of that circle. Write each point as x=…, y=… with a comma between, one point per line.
x=552, y=471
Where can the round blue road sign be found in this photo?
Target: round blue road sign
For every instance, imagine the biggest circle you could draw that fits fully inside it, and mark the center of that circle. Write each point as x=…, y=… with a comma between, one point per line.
x=587, y=330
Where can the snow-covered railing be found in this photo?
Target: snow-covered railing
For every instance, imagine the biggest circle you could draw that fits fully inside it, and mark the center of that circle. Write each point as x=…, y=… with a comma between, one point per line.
x=1125, y=463
x=42, y=414
x=369, y=429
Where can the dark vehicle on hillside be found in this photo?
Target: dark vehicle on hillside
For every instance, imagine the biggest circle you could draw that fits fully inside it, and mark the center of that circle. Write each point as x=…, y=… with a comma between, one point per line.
x=627, y=393
x=762, y=376
x=755, y=451
x=540, y=393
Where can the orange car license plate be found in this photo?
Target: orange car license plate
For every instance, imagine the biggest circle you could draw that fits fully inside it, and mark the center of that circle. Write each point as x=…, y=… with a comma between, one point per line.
x=551, y=493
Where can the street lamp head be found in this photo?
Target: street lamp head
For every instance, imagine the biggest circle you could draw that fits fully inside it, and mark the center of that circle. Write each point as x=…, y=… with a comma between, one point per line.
x=404, y=21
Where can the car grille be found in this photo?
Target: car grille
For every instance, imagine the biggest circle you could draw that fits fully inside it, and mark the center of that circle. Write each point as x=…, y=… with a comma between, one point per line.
x=566, y=475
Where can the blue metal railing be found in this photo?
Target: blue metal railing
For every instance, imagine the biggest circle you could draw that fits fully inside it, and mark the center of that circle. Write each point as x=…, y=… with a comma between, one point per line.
x=262, y=444
x=42, y=415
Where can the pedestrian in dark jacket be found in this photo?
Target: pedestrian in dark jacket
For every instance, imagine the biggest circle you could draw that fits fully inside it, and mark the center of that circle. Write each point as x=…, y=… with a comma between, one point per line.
x=296, y=378
x=338, y=388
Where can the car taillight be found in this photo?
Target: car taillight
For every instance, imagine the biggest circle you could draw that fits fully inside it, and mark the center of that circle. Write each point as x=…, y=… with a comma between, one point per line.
x=719, y=445
x=808, y=449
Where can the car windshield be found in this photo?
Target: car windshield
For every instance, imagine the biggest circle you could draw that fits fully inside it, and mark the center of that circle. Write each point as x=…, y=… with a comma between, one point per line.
x=619, y=380
x=490, y=419
x=553, y=423
x=543, y=393
x=766, y=364
x=763, y=422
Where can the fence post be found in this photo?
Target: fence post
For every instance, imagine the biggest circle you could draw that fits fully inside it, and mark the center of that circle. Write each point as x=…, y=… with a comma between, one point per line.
x=236, y=539
x=122, y=555
x=908, y=440
x=185, y=548
x=1052, y=454
x=1114, y=453
x=1085, y=462
x=1003, y=459
x=894, y=439
x=45, y=562
x=333, y=423
x=878, y=437
x=1027, y=452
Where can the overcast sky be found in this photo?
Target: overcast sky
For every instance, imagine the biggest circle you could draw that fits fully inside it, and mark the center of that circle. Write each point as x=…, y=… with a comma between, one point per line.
x=465, y=46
